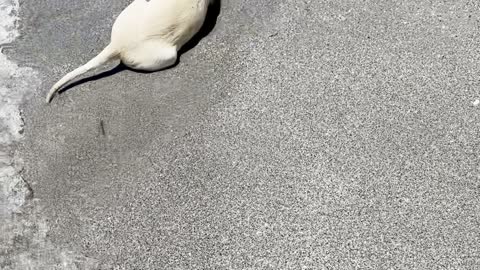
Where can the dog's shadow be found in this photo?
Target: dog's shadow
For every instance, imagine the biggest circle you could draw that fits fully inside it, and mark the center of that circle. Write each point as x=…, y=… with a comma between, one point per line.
x=210, y=22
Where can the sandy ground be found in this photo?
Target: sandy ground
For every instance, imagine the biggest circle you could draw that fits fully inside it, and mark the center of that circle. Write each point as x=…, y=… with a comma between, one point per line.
x=296, y=135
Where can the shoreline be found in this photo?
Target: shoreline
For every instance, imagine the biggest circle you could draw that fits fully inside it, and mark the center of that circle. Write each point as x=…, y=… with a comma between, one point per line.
x=23, y=239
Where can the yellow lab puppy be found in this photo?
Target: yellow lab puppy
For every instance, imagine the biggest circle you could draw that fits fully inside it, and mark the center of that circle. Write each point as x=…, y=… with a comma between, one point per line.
x=147, y=36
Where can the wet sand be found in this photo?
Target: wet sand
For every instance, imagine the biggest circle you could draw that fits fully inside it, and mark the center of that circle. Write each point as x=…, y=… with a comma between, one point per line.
x=295, y=135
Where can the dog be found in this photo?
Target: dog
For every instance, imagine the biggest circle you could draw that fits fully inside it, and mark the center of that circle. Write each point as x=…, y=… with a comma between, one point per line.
x=146, y=36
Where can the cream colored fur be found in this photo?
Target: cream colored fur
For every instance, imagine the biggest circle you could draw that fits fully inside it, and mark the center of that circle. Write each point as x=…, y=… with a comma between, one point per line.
x=147, y=36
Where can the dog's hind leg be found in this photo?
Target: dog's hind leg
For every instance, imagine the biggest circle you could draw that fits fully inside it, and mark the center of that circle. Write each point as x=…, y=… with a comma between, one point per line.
x=150, y=56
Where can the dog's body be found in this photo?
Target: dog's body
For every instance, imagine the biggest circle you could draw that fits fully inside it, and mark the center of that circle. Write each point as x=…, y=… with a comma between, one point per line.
x=147, y=36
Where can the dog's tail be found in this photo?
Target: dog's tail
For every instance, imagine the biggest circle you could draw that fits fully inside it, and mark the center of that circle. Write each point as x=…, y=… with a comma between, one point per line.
x=109, y=53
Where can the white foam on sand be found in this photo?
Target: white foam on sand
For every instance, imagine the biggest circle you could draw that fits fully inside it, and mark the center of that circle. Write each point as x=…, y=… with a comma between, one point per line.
x=15, y=85
x=23, y=231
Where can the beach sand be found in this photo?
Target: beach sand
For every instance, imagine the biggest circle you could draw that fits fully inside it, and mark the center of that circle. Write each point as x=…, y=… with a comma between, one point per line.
x=295, y=135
